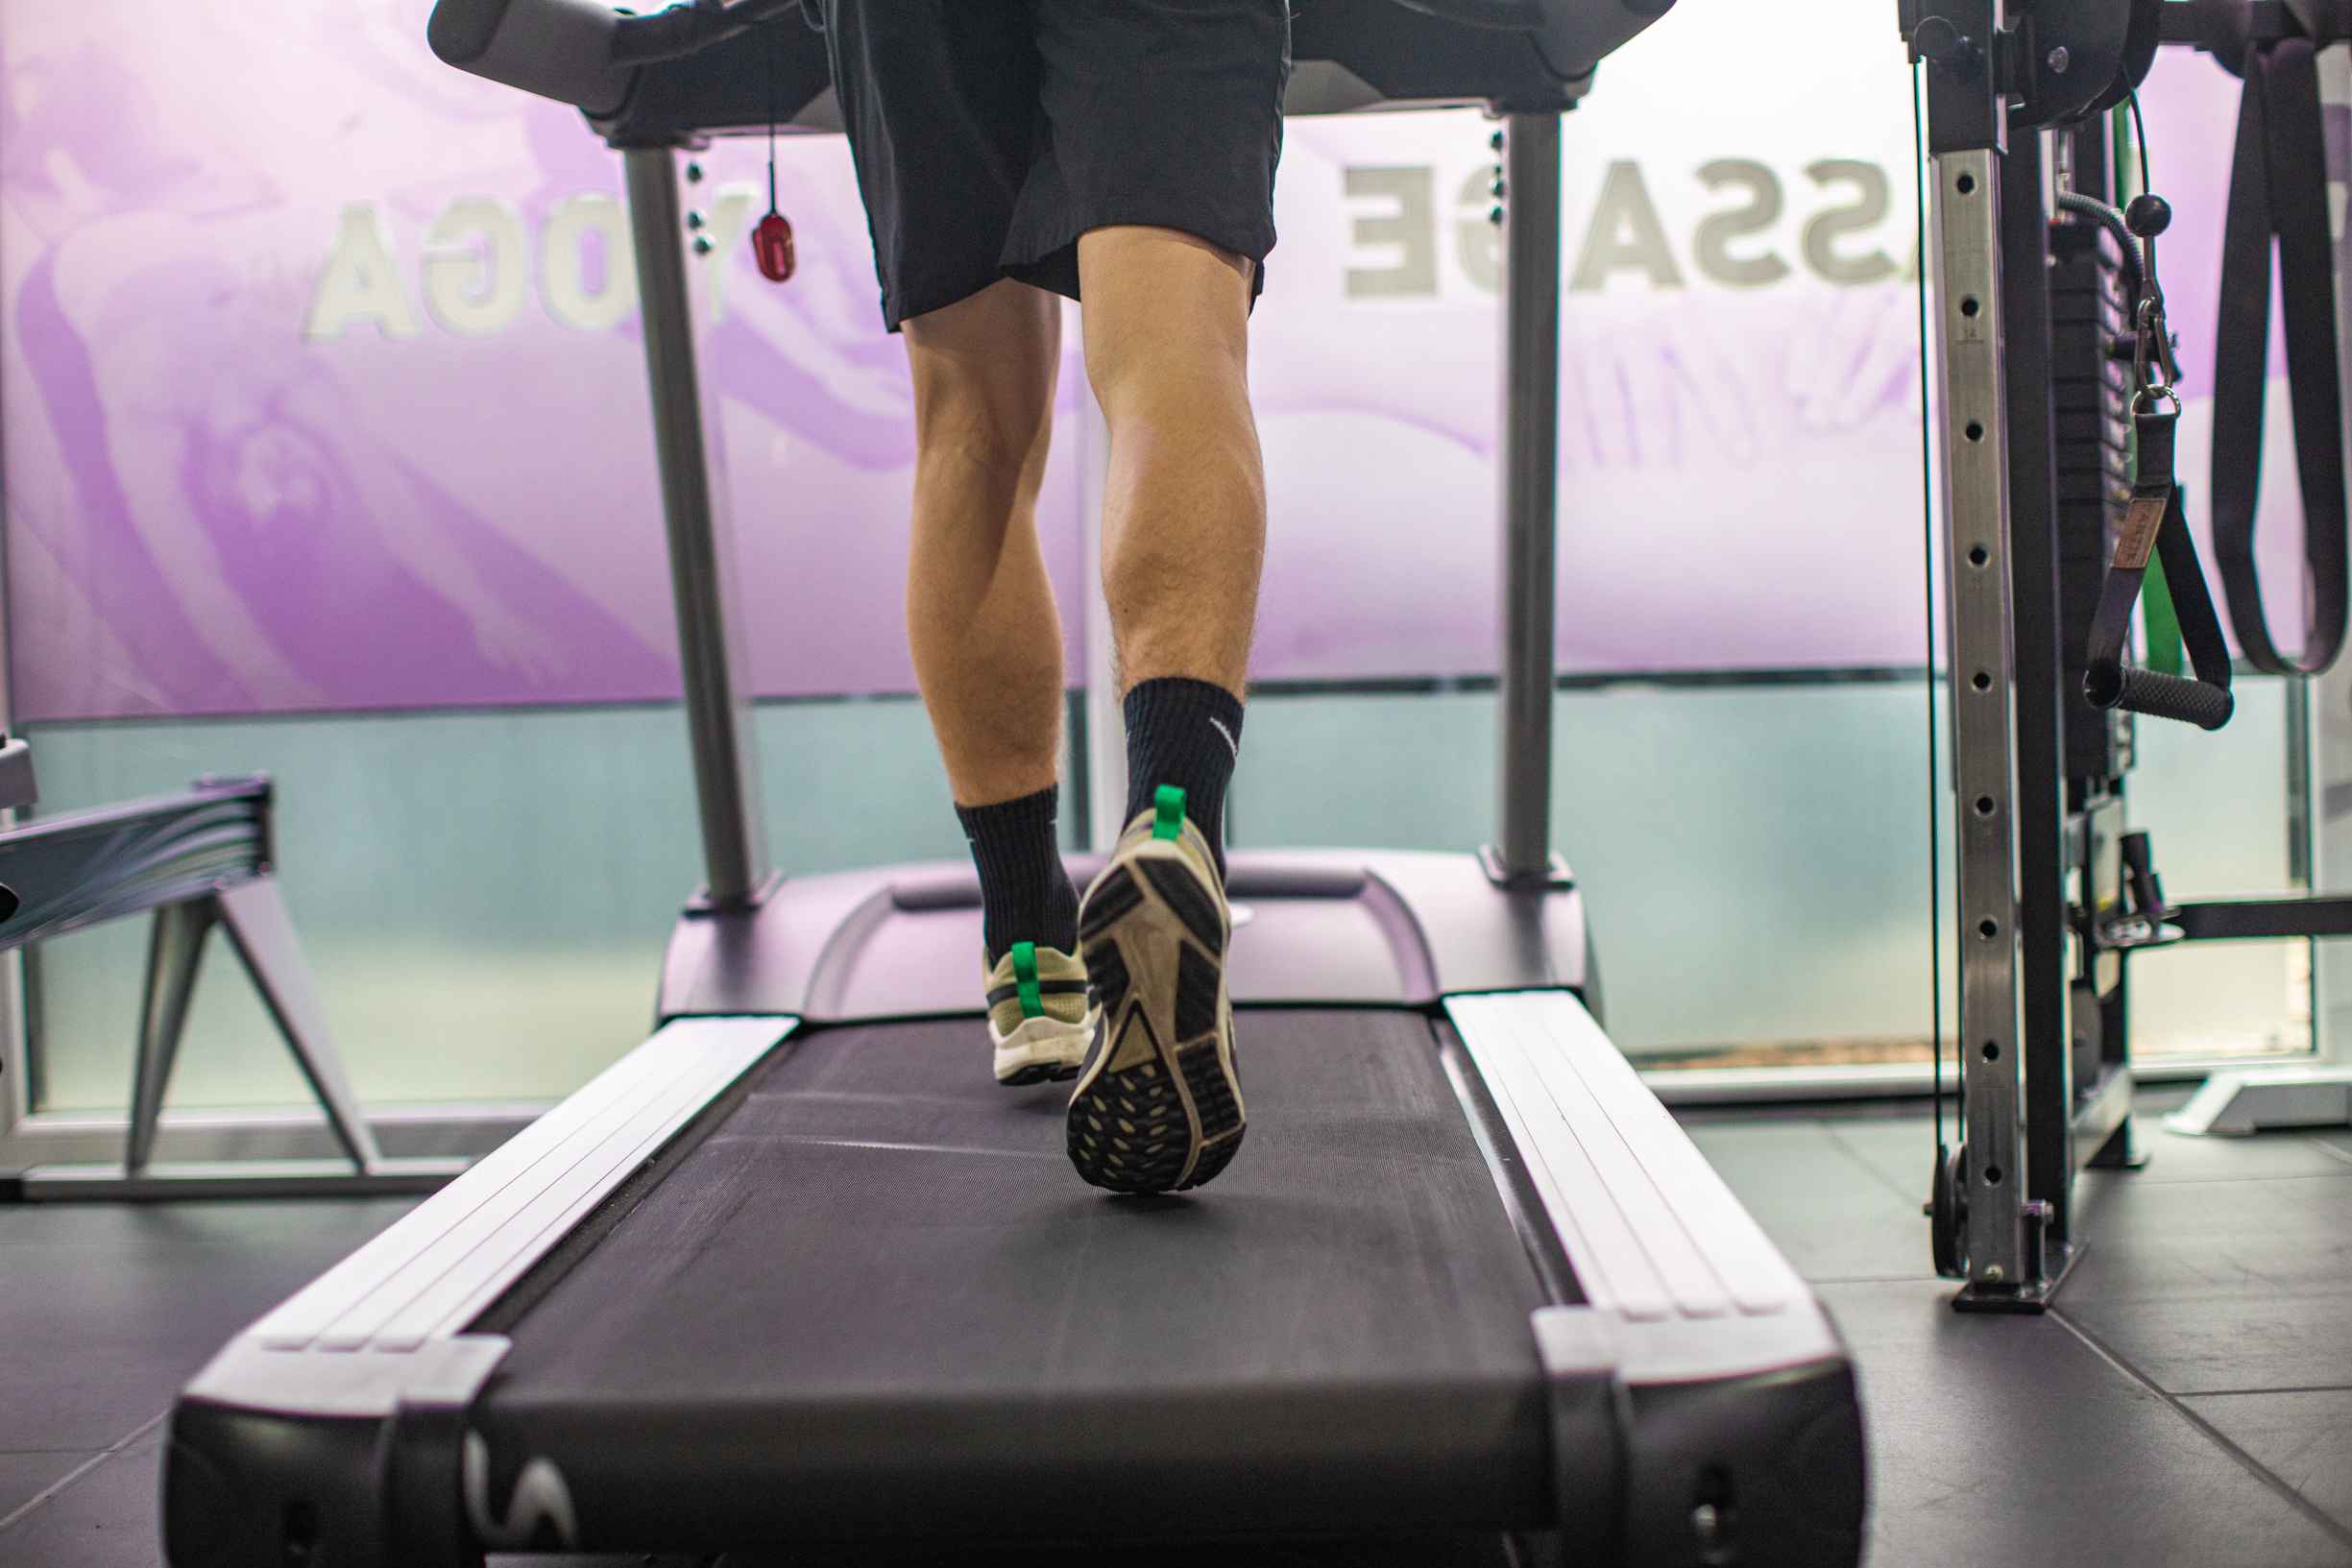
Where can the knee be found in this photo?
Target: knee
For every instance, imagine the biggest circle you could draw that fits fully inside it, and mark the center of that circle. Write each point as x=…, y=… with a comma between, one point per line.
x=984, y=382
x=1167, y=324
x=1194, y=382
x=992, y=433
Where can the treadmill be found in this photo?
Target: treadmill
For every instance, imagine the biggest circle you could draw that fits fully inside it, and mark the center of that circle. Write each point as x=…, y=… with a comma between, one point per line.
x=796, y=1273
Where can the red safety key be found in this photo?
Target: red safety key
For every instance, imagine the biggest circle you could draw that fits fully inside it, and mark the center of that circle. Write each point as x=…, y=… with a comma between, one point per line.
x=773, y=243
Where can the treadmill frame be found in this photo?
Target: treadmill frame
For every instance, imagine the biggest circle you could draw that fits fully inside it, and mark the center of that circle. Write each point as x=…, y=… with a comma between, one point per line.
x=1703, y=1408
x=2050, y=906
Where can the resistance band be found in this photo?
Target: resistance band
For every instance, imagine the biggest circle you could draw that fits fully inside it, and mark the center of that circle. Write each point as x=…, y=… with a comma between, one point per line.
x=2278, y=190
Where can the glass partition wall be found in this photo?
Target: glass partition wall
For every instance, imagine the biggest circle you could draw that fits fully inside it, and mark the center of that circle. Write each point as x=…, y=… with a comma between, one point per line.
x=484, y=897
x=402, y=554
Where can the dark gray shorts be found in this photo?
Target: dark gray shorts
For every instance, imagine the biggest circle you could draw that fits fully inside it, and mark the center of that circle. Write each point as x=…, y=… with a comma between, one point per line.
x=989, y=134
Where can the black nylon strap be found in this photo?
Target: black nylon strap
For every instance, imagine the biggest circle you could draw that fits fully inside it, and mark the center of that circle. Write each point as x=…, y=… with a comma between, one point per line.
x=2156, y=528
x=2278, y=189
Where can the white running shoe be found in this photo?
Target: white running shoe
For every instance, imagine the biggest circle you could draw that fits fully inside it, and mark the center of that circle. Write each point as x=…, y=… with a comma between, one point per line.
x=1160, y=1108
x=1041, y=1018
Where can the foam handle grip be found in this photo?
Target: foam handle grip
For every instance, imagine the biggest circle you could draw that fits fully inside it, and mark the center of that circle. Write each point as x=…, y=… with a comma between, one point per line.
x=2158, y=696
x=559, y=49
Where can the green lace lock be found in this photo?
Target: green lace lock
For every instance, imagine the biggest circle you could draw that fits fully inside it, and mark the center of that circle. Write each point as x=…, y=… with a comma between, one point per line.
x=1024, y=976
x=1168, y=813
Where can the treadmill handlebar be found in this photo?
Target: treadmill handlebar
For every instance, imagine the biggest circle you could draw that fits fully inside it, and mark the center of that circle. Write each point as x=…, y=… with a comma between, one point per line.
x=1535, y=16
x=583, y=52
x=587, y=53
x=682, y=30
x=1571, y=37
x=560, y=49
x=1500, y=15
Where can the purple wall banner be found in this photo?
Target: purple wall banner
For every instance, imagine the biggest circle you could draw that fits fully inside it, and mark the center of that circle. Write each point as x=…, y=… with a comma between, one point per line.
x=320, y=384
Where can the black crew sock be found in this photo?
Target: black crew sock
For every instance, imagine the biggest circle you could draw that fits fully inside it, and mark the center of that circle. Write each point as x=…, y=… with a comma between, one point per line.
x=1187, y=733
x=1025, y=890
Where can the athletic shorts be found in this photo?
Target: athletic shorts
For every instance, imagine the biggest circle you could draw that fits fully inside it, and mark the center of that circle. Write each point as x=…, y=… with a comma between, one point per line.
x=989, y=134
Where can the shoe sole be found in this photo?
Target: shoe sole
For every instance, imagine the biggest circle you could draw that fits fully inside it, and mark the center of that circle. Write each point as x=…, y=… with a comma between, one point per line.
x=1160, y=1110
x=1044, y=1051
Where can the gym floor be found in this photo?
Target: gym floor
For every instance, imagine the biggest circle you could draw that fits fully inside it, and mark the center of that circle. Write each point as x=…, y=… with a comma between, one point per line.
x=2190, y=1401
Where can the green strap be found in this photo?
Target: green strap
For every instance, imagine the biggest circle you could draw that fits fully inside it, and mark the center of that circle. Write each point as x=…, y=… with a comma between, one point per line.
x=1024, y=976
x=1168, y=813
x=2163, y=653
x=2164, y=647
x=2163, y=624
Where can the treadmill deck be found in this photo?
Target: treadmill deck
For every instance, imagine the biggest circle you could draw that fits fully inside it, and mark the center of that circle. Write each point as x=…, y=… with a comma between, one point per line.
x=876, y=1285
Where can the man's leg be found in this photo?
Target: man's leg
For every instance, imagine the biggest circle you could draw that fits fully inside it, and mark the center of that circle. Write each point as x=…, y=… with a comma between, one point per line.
x=1167, y=319
x=1184, y=536
x=980, y=609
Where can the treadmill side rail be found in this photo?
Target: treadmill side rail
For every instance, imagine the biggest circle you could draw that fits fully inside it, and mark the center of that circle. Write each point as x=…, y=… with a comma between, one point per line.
x=1739, y=1431
x=333, y=1430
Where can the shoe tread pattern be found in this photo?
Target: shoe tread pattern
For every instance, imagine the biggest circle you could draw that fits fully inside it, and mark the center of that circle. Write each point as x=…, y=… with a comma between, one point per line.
x=1179, y=888
x=1127, y=1130
x=1037, y=1073
x=1113, y=900
x=1132, y=1123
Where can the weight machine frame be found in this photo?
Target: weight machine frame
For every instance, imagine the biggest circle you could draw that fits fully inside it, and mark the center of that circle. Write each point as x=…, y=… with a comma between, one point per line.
x=2053, y=891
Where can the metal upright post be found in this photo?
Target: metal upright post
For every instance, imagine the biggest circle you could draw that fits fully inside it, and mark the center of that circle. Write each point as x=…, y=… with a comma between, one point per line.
x=1968, y=133
x=1984, y=665
x=15, y=1050
x=2330, y=737
x=1104, y=709
x=1521, y=855
x=701, y=553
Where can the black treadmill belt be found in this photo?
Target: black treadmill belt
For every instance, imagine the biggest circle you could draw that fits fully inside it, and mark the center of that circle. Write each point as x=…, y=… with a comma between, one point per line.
x=876, y=1300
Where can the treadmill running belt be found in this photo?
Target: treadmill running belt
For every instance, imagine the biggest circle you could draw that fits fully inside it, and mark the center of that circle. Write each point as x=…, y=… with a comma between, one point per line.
x=875, y=1301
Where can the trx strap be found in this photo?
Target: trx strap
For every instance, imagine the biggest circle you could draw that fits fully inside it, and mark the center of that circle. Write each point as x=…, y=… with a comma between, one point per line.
x=2157, y=527
x=2278, y=189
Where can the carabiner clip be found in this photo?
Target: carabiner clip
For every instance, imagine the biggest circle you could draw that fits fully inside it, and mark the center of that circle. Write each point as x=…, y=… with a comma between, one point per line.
x=2151, y=352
